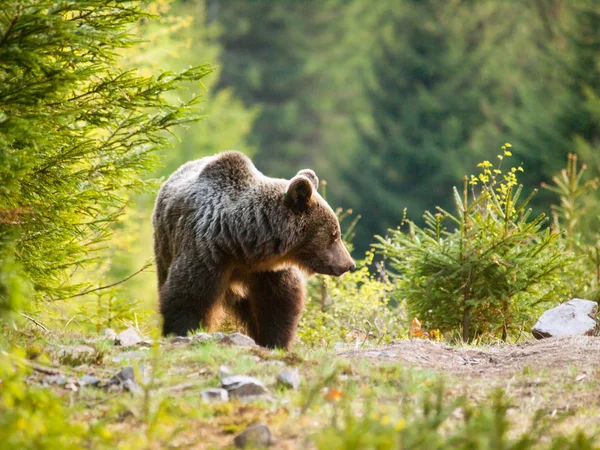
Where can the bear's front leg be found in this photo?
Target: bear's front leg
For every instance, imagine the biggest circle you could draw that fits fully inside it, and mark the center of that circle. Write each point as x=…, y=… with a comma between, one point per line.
x=190, y=296
x=277, y=299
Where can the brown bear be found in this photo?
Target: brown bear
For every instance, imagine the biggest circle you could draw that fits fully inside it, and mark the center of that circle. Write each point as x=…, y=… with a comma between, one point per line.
x=226, y=236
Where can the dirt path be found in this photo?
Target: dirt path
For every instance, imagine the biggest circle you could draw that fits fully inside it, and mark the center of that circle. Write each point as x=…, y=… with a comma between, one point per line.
x=558, y=376
x=582, y=352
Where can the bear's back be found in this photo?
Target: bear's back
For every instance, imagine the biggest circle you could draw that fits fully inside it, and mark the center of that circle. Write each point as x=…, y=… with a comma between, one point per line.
x=224, y=174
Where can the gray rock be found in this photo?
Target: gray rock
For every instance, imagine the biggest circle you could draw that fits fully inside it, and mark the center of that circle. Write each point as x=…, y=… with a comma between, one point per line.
x=125, y=380
x=243, y=386
x=218, y=335
x=128, y=356
x=125, y=374
x=72, y=385
x=89, y=380
x=289, y=378
x=224, y=371
x=214, y=395
x=133, y=387
x=109, y=334
x=180, y=340
x=575, y=317
x=202, y=337
x=146, y=343
x=55, y=379
x=237, y=339
x=128, y=338
x=257, y=435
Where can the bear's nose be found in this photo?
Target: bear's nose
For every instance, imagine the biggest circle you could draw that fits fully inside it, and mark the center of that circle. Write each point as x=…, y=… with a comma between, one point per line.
x=352, y=267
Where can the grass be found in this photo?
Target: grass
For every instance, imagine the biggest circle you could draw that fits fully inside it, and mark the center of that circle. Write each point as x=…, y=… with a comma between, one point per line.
x=348, y=401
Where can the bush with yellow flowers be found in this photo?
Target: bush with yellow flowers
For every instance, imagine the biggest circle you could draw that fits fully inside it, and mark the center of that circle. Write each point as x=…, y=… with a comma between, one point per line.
x=484, y=272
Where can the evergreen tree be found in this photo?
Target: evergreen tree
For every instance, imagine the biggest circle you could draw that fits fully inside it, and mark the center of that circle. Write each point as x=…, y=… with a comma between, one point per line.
x=425, y=103
x=547, y=78
x=76, y=133
x=300, y=63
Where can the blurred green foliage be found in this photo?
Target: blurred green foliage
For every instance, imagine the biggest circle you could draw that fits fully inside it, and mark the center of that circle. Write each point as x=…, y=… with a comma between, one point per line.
x=578, y=227
x=33, y=417
x=392, y=102
x=423, y=424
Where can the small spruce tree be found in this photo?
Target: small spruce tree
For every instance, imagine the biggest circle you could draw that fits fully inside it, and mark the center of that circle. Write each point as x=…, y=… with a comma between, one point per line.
x=488, y=273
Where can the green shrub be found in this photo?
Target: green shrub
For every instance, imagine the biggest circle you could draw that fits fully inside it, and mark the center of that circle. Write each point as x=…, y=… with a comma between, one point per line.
x=575, y=193
x=76, y=132
x=488, y=275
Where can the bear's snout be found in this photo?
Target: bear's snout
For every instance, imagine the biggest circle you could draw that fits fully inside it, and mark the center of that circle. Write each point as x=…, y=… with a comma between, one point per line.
x=341, y=270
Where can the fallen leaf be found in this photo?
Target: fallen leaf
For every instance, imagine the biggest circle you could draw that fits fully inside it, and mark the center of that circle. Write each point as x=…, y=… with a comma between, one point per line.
x=333, y=395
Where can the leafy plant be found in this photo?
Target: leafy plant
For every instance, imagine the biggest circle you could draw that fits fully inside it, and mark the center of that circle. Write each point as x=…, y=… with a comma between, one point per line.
x=428, y=423
x=574, y=191
x=354, y=308
x=33, y=417
x=358, y=309
x=488, y=275
x=76, y=132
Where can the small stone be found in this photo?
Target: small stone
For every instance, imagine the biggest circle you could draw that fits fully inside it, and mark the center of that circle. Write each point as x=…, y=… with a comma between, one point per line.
x=202, y=337
x=224, y=371
x=125, y=374
x=128, y=338
x=125, y=379
x=257, y=435
x=146, y=343
x=237, y=339
x=55, y=379
x=289, y=378
x=109, y=334
x=72, y=385
x=89, y=380
x=243, y=386
x=181, y=340
x=575, y=317
x=133, y=387
x=214, y=395
x=128, y=356
x=218, y=335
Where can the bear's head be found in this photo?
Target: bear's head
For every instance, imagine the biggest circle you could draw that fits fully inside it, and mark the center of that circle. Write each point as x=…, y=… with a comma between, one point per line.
x=320, y=247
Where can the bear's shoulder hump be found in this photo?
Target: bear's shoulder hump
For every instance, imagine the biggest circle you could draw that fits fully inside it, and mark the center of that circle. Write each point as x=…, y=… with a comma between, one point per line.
x=230, y=165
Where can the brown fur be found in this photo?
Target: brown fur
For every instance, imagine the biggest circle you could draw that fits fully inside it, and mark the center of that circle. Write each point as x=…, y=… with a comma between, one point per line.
x=227, y=236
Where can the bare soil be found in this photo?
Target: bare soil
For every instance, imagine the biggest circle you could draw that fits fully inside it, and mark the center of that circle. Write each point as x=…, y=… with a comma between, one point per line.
x=559, y=376
x=582, y=352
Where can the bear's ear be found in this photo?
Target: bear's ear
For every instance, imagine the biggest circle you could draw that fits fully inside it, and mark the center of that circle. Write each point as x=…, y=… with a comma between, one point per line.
x=299, y=192
x=312, y=176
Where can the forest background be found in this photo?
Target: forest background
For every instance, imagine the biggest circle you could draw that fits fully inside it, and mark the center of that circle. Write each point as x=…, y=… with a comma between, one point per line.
x=392, y=104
